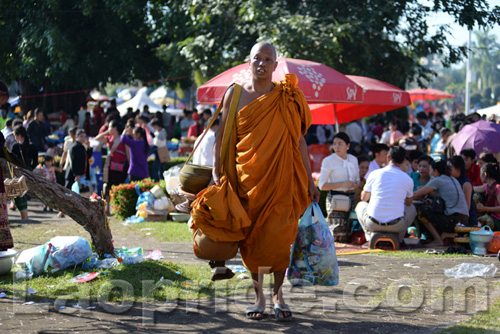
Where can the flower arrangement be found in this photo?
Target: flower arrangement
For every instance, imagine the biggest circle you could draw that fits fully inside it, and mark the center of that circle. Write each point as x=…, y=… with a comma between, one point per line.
x=124, y=196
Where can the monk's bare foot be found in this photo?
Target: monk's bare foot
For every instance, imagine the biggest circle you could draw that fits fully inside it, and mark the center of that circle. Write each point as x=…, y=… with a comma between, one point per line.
x=256, y=311
x=281, y=310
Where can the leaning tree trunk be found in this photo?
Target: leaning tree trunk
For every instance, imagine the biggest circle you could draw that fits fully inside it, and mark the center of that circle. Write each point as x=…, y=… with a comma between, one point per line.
x=88, y=213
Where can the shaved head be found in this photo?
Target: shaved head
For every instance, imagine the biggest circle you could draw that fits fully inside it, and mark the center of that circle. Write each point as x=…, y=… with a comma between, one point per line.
x=262, y=45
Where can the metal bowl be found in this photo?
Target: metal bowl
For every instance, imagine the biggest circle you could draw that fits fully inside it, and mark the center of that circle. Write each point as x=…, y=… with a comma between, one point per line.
x=195, y=178
x=6, y=261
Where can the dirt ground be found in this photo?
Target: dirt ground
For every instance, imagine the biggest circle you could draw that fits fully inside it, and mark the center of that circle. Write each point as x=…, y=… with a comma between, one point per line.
x=376, y=294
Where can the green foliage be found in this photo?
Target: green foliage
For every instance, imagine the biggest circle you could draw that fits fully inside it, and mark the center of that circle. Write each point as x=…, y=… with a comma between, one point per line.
x=382, y=39
x=124, y=196
x=65, y=45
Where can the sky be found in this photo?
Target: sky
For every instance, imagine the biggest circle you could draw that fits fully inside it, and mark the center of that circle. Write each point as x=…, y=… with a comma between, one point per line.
x=460, y=34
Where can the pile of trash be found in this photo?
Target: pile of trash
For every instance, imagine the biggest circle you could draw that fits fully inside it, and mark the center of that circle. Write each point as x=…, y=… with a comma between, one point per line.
x=64, y=252
x=155, y=205
x=151, y=205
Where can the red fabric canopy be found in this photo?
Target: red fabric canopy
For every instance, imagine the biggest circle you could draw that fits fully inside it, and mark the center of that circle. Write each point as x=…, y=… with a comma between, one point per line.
x=320, y=83
x=378, y=97
x=428, y=94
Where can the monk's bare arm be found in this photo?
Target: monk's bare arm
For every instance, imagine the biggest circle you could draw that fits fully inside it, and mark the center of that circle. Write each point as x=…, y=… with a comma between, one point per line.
x=313, y=190
x=218, y=136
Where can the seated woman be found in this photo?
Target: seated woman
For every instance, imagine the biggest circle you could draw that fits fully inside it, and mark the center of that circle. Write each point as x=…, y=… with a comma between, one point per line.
x=340, y=176
x=421, y=177
x=490, y=209
x=455, y=210
x=457, y=165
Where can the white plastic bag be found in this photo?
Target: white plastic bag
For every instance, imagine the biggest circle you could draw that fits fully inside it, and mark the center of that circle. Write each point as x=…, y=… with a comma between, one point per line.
x=172, y=181
x=469, y=270
x=313, y=257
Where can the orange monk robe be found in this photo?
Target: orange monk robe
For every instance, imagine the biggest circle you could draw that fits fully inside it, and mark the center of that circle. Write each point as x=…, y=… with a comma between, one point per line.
x=265, y=169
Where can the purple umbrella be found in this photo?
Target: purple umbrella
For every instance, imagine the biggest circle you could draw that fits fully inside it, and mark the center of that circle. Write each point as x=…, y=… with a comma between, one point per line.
x=481, y=136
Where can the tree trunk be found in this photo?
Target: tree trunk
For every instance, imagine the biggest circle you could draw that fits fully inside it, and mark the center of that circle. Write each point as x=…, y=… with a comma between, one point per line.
x=88, y=213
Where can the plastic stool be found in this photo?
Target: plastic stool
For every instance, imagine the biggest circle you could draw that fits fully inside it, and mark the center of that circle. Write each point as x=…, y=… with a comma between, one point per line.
x=393, y=238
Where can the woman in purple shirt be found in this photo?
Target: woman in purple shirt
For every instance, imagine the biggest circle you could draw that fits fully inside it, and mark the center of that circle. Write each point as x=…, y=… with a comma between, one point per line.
x=139, y=152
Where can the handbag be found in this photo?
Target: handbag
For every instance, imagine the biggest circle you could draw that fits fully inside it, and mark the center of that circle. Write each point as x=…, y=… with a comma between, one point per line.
x=438, y=204
x=194, y=178
x=340, y=203
x=117, y=166
x=163, y=154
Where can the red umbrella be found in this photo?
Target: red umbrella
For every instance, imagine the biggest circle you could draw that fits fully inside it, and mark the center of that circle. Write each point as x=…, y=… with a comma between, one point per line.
x=379, y=97
x=320, y=83
x=428, y=94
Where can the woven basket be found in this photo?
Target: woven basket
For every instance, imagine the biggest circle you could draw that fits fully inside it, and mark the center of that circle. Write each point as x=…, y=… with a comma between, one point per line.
x=15, y=187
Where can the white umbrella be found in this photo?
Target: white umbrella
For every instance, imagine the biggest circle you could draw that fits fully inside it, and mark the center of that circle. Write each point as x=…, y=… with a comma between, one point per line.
x=138, y=102
x=159, y=93
x=493, y=110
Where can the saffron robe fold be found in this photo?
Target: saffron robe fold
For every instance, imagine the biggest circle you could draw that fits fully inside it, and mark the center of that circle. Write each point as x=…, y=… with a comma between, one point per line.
x=264, y=184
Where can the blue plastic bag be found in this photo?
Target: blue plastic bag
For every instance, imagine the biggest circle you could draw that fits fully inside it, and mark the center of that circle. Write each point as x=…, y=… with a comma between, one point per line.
x=34, y=259
x=146, y=196
x=58, y=253
x=313, y=257
x=68, y=252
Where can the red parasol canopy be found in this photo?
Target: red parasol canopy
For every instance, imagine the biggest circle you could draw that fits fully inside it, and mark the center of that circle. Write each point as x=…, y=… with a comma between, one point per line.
x=379, y=97
x=320, y=83
x=428, y=94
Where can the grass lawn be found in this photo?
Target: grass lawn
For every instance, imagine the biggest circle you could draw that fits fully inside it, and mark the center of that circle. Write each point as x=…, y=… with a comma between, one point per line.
x=422, y=254
x=165, y=231
x=482, y=322
x=125, y=282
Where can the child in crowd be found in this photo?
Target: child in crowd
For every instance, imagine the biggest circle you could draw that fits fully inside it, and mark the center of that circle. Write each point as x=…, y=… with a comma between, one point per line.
x=48, y=172
x=51, y=151
x=490, y=208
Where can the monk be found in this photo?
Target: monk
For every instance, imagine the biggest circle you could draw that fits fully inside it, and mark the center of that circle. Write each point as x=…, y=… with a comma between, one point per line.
x=272, y=176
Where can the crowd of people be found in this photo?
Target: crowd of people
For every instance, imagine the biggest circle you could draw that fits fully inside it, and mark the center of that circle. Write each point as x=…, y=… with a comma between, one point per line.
x=397, y=175
x=127, y=142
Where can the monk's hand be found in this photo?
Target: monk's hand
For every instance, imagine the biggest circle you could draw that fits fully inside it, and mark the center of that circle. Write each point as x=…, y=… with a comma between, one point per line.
x=313, y=192
x=215, y=177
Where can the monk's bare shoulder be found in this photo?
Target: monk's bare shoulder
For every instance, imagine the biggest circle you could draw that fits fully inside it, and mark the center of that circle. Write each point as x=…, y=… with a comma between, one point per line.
x=247, y=95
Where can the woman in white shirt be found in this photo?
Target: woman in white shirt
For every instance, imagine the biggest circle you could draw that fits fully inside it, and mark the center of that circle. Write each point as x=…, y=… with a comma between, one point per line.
x=340, y=176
